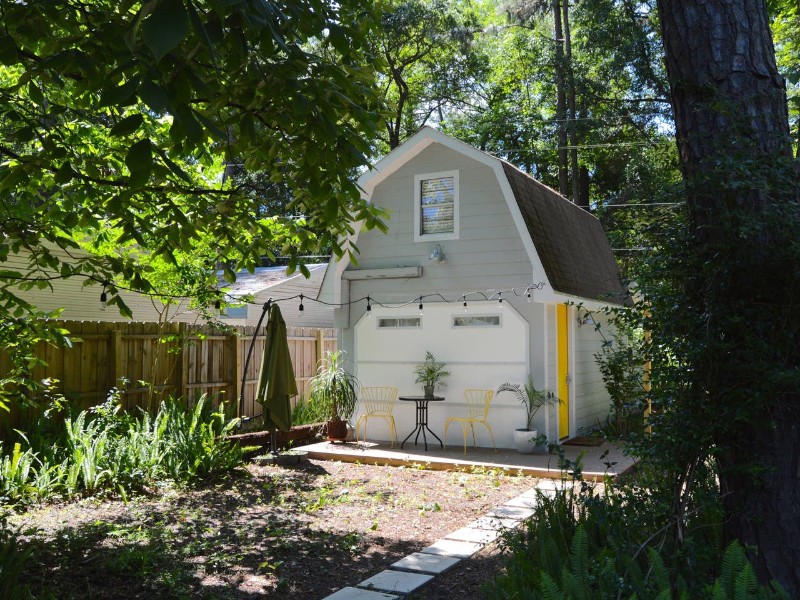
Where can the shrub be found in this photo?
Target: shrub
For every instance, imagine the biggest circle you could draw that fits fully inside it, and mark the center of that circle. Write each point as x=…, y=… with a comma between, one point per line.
x=105, y=448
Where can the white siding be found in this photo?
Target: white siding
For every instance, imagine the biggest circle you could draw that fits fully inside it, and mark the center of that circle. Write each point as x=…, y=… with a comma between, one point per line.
x=476, y=357
x=488, y=253
x=594, y=400
x=82, y=303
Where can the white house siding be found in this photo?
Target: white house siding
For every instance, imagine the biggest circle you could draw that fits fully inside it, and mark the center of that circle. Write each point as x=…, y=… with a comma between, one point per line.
x=82, y=303
x=488, y=254
x=479, y=357
x=594, y=401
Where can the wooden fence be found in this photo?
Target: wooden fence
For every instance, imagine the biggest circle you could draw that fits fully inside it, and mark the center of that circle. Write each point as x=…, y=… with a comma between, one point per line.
x=148, y=362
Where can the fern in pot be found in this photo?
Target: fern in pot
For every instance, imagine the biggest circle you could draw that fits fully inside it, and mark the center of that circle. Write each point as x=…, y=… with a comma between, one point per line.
x=334, y=390
x=430, y=374
x=532, y=399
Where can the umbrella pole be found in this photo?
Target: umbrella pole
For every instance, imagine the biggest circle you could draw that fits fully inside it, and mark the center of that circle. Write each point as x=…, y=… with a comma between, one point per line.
x=273, y=442
x=267, y=305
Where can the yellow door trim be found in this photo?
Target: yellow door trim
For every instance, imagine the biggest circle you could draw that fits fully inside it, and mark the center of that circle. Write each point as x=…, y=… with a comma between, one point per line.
x=563, y=369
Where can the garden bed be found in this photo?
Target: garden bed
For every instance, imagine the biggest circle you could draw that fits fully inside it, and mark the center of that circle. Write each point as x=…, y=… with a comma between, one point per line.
x=262, y=532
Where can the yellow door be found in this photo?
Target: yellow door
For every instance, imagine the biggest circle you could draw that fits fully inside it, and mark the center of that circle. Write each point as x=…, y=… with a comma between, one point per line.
x=563, y=370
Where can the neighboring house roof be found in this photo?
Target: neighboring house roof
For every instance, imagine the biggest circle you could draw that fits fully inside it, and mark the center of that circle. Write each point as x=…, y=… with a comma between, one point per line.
x=273, y=282
x=570, y=242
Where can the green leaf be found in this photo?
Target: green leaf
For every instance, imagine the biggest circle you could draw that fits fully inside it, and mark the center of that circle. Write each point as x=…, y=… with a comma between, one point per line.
x=166, y=26
x=154, y=96
x=140, y=161
x=119, y=95
x=65, y=173
x=8, y=51
x=127, y=125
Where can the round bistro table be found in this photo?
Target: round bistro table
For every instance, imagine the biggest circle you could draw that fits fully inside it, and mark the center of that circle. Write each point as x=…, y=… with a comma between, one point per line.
x=422, y=418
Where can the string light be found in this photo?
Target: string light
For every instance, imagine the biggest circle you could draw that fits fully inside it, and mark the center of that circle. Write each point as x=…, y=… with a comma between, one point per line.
x=301, y=308
x=369, y=307
x=500, y=300
x=465, y=304
x=217, y=307
x=529, y=295
x=420, y=306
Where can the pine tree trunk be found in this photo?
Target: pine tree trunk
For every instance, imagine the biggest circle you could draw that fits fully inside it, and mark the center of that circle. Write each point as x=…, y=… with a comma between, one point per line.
x=561, y=101
x=733, y=135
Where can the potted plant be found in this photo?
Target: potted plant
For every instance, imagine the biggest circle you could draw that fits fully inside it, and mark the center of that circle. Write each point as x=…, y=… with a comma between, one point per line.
x=430, y=374
x=335, y=391
x=533, y=399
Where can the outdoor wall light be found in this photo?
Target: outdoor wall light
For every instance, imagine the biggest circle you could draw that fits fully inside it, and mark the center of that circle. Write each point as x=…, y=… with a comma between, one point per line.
x=586, y=319
x=437, y=254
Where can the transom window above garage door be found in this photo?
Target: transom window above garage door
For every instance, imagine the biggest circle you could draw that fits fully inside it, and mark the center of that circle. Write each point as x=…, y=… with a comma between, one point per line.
x=399, y=322
x=460, y=321
x=436, y=206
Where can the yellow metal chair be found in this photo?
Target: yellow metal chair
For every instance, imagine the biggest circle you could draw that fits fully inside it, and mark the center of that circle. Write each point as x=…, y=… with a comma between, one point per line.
x=478, y=402
x=378, y=402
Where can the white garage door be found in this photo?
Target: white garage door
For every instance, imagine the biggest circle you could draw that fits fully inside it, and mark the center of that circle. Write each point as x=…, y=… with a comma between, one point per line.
x=482, y=348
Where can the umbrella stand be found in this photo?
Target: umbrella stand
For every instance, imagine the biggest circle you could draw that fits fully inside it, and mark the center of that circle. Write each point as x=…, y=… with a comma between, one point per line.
x=242, y=419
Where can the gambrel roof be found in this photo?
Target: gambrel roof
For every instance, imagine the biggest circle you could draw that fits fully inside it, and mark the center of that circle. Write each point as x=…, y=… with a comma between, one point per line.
x=570, y=242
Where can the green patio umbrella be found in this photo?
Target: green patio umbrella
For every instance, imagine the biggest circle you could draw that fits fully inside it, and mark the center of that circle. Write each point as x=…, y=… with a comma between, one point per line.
x=276, y=381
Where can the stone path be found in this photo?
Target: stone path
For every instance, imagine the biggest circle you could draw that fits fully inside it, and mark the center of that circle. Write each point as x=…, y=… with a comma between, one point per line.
x=416, y=570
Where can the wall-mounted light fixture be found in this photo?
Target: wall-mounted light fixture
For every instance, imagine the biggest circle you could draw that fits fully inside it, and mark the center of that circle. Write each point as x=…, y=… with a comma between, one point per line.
x=586, y=319
x=437, y=254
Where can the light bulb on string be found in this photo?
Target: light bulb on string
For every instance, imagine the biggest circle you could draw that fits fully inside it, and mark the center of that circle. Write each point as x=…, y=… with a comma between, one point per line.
x=104, y=297
x=465, y=304
x=301, y=308
x=420, y=306
x=500, y=300
x=529, y=296
x=369, y=307
x=217, y=307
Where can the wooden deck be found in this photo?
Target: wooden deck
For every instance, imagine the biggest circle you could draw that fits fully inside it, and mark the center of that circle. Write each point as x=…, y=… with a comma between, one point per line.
x=597, y=461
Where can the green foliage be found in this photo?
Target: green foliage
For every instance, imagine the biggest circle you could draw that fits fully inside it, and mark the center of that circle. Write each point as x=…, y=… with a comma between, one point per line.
x=104, y=448
x=580, y=544
x=334, y=389
x=530, y=397
x=621, y=361
x=431, y=372
x=307, y=411
x=12, y=564
x=118, y=120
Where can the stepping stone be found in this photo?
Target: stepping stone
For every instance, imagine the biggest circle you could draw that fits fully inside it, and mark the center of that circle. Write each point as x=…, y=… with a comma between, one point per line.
x=351, y=593
x=531, y=493
x=399, y=582
x=523, y=502
x=494, y=524
x=432, y=564
x=468, y=534
x=512, y=512
x=453, y=548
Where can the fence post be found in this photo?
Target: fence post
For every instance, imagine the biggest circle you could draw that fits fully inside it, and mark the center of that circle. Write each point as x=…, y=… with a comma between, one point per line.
x=116, y=353
x=182, y=362
x=234, y=349
x=320, y=346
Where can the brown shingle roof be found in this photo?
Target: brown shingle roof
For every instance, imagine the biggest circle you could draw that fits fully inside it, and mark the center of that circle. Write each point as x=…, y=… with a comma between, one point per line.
x=570, y=242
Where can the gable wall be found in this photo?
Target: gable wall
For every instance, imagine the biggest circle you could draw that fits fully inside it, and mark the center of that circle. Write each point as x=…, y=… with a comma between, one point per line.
x=488, y=253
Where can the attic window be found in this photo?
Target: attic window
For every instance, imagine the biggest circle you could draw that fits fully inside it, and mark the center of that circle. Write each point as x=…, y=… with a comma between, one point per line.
x=436, y=206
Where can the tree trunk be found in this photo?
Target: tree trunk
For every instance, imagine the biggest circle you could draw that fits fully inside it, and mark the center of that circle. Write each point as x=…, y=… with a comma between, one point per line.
x=733, y=136
x=561, y=101
x=571, y=110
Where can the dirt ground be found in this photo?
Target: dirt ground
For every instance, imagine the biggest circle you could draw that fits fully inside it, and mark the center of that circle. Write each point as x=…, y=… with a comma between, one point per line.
x=263, y=532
